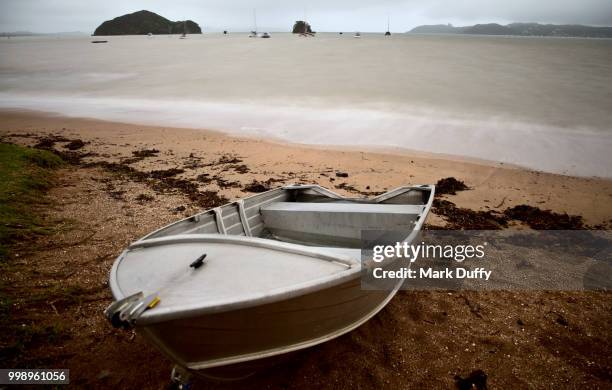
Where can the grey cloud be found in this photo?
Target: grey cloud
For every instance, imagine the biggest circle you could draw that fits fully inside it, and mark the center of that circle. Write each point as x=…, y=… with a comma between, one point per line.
x=278, y=15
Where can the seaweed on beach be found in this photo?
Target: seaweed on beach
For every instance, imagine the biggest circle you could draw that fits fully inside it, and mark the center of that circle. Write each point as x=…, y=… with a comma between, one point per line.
x=159, y=180
x=48, y=142
x=347, y=187
x=163, y=182
x=256, y=186
x=544, y=219
x=460, y=218
x=164, y=173
x=75, y=144
x=204, y=178
x=224, y=160
x=226, y=184
x=130, y=160
x=261, y=186
x=145, y=153
x=117, y=195
x=193, y=162
x=143, y=198
x=71, y=156
x=241, y=168
x=228, y=160
x=450, y=186
x=535, y=218
x=350, y=188
x=206, y=199
x=209, y=199
x=139, y=155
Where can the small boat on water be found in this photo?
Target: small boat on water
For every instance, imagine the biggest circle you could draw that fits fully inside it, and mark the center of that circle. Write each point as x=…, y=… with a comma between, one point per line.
x=265, y=35
x=273, y=273
x=357, y=35
x=254, y=33
x=184, y=34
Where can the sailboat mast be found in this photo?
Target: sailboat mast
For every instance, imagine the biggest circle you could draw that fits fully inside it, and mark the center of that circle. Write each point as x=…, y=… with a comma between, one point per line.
x=388, y=33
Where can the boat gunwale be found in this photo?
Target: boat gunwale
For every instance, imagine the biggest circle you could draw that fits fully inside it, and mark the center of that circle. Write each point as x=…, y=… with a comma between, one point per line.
x=321, y=190
x=279, y=294
x=353, y=268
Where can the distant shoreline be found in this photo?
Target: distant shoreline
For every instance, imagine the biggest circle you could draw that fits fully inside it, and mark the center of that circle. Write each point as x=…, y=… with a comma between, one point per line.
x=519, y=30
x=488, y=29
x=220, y=32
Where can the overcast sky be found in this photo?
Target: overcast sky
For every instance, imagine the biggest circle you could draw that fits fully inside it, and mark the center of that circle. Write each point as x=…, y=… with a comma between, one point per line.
x=279, y=15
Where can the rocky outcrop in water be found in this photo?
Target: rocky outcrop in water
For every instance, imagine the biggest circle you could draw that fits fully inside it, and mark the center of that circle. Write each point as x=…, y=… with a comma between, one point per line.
x=301, y=27
x=145, y=22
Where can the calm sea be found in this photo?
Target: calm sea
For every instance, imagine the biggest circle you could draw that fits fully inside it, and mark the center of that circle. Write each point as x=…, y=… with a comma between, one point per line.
x=544, y=103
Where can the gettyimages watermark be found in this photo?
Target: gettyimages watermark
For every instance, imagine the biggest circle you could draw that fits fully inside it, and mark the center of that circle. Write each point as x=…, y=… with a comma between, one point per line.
x=487, y=260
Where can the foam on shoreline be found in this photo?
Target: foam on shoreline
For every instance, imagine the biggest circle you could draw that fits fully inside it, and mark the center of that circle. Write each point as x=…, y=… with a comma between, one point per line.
x=571, y=151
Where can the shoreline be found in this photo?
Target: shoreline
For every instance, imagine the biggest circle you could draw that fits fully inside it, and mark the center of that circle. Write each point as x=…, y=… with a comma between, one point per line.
x=388, y=150
x=493, y=186
x=353, y=148
x=486, y=137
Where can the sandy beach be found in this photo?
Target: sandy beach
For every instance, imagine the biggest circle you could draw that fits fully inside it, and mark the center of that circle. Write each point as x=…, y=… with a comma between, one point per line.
x=126, y=180
x=493, y=186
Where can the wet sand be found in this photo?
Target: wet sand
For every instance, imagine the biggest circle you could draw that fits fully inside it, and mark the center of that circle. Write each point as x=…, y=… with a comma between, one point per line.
x=422, y=339
x=493, y=185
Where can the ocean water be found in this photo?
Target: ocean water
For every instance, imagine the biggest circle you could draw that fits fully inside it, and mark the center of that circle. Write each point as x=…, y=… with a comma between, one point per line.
x=543, y=103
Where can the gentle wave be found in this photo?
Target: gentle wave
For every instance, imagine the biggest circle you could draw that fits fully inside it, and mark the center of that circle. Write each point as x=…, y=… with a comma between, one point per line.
x=583, y=151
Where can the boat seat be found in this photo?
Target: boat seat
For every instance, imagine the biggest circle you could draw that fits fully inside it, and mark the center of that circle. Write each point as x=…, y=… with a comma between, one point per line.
x=336, y=224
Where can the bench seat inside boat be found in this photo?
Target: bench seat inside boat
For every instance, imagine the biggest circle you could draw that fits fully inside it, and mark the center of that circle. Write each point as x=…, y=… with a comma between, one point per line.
x=337, y=223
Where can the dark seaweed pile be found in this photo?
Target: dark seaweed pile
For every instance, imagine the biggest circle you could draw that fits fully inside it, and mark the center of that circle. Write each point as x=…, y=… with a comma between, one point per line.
x=460, y=218
x=544, y=219
x=450, y=186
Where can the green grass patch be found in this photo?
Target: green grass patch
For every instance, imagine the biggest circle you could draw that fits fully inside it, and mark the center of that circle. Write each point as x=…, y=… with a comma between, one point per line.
x=25, y=176
x=27, y=335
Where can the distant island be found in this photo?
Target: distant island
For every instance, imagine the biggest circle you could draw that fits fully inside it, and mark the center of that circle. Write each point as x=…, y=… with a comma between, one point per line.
x=521, y=29
x=301, y=27
x=145, y=22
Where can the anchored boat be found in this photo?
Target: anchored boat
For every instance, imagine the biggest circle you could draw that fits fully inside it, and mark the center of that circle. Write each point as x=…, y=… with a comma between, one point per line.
x=273, y=273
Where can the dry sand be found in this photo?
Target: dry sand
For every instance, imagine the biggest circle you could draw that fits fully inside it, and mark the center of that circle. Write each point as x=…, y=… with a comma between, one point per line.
x=422, y=339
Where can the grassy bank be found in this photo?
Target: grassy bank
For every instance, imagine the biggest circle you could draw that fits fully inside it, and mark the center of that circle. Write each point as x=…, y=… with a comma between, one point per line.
x=25, y=175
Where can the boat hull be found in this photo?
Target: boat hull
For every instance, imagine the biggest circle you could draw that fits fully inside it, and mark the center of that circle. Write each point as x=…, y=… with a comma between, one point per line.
x=297, y=285
x=251, y=333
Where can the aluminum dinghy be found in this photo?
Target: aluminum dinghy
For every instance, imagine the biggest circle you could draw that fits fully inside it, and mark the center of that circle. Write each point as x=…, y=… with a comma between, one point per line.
x=269, y=274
